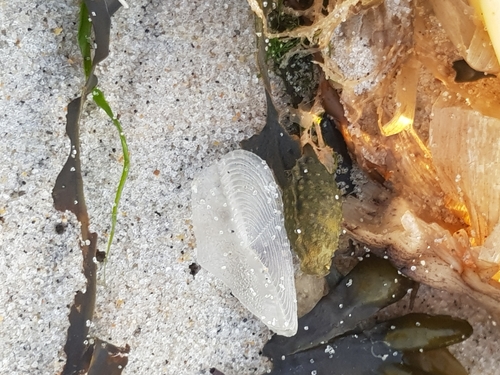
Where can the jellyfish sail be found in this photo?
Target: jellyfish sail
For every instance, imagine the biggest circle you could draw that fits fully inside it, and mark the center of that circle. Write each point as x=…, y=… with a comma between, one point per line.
x=241, y=238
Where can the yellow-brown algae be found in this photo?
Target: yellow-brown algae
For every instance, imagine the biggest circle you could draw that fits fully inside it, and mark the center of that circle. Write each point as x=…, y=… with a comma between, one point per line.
x=313, y=214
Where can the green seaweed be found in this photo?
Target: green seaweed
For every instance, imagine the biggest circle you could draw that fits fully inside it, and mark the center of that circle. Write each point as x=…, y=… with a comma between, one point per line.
x=84, y=38
x=289, y=58
x=313, y=213
x=84, y=34
x=68, y=194
x=279, y=19
x=277, y=49
x=340, y=337
x=372, y=285
x=99, y=99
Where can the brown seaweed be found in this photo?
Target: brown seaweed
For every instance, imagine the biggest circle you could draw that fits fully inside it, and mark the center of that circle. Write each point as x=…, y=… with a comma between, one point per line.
x=372, y=285
x=338, y=337
x=274, y=145
x=364, y=354
x=465, y=73
x=334, y=139
x=68, y=195
x=107, y=359
x=313, y=213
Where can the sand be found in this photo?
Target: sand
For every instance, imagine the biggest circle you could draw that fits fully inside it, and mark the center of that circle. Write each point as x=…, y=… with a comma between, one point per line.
x=182, y=77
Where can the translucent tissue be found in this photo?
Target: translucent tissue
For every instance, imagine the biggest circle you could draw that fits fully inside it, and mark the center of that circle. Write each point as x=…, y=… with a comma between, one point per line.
x=241, y=237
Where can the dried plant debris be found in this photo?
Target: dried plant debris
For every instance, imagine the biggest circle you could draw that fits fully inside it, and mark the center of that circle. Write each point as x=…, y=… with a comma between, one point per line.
x=397, y=66
x=338, y=336
x=68, y=195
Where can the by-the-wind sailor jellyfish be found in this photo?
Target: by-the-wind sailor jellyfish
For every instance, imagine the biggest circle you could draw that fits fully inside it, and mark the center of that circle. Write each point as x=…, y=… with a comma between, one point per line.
x=241, y=237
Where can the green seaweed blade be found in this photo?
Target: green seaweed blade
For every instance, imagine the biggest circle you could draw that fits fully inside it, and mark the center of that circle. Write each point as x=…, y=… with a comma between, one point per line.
x=84, y=34
x=101, y=102
x=84, y=41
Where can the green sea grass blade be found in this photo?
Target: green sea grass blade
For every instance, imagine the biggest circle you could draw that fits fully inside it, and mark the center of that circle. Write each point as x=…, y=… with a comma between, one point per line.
x=100, y=100
x=84, y=34
x=84, y=38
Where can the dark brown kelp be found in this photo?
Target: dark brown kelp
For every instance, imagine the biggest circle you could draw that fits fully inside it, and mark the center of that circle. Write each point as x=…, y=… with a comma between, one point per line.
x=85, y=354
x=340, y=337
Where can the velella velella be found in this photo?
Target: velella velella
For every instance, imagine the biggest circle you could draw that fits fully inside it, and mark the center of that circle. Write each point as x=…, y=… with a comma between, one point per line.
x=240, y=235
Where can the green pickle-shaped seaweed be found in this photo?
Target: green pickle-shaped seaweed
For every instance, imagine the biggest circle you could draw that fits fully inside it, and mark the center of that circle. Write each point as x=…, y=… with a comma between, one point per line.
x=313, y=213
x=340, y=337
x=370, y=286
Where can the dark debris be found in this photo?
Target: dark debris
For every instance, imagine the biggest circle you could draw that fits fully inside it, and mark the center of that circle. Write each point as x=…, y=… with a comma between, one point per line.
x=274, y=145
x=465, y=73
x=68, y=195
x=341, y=337
x=194, y=268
